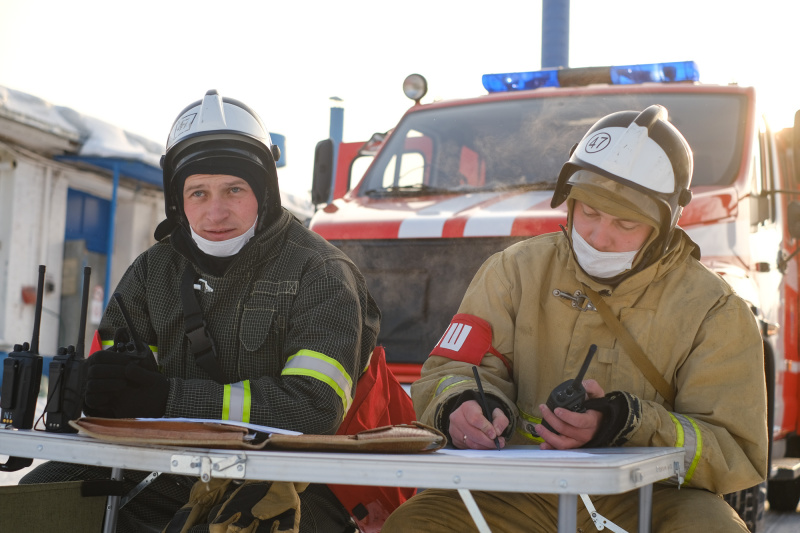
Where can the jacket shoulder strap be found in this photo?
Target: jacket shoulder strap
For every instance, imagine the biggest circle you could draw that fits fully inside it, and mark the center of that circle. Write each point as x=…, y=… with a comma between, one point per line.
x=636, y=354
x=201, y=345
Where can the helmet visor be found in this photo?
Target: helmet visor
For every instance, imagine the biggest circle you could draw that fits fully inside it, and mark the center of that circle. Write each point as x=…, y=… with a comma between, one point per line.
x=595, y=189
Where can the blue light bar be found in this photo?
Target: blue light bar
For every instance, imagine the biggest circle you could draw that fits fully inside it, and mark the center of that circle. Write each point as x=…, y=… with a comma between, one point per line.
x=655, y=72
x=520, y=81
x=617, y=75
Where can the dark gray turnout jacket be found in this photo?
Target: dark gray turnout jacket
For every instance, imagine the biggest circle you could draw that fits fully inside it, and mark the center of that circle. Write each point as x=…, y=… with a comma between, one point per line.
x=291, y=319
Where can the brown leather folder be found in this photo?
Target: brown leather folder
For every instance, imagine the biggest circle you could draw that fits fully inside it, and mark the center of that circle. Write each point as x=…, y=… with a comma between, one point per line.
x=403, y=438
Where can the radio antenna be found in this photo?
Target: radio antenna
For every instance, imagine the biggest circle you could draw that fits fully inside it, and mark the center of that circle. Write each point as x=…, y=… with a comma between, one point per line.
x=134, y=336
x=79, y=346
x=37, y=320
x=585, y=366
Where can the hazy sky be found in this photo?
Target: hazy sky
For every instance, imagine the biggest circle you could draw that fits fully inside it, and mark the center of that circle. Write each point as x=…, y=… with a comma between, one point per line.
x=137, y=66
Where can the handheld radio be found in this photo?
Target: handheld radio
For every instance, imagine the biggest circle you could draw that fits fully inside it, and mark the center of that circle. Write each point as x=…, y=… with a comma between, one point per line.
x=141, y=352
x=68, y=371
x=22, y=375
x=570, y=394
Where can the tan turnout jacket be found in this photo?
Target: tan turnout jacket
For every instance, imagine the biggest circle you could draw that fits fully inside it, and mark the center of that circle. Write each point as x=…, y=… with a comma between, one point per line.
x=701, y=337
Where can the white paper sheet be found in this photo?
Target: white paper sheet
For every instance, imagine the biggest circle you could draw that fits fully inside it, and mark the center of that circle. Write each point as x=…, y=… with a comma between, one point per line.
x=254, y=427
x=507, y=453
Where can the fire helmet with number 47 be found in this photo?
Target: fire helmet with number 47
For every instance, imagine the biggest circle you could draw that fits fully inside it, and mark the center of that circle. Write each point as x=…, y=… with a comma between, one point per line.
x=638, y=160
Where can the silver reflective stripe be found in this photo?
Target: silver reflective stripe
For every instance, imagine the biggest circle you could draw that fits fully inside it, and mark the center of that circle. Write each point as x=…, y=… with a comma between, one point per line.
x=688, y=437
x=447, y=382
x=236, y=402
x=326, y=369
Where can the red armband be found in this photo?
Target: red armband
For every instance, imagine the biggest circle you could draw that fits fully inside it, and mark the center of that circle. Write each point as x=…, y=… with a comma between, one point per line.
x=467, y=339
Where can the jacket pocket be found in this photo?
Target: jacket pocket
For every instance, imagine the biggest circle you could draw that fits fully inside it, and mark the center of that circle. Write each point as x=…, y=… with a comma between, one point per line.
x=257, y=318
x=604, y=366
x=266, y=311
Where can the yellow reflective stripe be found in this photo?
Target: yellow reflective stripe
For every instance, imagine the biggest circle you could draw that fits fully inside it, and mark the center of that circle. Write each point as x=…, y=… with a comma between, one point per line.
x=246, y=403
x=689, y=438
x=319, y=366
x=448, y=382
x=525, y=423
x=679, y=430
x=312, y=359
x=105, y=344
x=226, y=402
x=236, y=401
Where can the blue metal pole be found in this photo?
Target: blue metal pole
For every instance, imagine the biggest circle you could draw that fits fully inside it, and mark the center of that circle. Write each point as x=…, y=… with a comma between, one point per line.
x=555, y=33
x=336, y=134
x=112, y=216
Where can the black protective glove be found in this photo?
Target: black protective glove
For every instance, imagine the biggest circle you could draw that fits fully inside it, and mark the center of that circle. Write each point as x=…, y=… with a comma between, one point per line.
x=125, y=385
x=618, y=416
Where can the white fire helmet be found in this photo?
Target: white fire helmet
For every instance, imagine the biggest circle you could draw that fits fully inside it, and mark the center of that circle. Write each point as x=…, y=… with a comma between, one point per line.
x=643, y=153
x=219, y=135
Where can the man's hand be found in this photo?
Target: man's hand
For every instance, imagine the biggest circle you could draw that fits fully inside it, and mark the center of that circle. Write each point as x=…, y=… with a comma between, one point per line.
x=470, y=429
x=576, y=428
x=119, y=386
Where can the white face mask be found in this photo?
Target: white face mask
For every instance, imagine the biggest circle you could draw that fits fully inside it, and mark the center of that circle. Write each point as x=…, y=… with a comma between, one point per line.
x=600, y=264
x=224, y=248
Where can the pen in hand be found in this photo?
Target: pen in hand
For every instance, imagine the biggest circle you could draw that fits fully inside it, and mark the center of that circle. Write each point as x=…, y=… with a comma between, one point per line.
x=484, y=405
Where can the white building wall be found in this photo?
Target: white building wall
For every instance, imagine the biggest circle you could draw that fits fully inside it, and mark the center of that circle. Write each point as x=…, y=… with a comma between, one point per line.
x=138, y=214
x=33, y=203
x=7, y=170
x=31, y=237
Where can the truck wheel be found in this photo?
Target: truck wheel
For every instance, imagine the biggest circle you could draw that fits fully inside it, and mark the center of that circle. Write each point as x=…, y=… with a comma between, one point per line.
x=749, y=504
x=784, y=495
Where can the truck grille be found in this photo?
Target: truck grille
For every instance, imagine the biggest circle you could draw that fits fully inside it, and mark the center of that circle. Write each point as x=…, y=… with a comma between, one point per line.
x=418, y=285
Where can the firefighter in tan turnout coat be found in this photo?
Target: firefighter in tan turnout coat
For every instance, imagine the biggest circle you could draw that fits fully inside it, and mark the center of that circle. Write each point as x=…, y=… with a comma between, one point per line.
x=530, y=326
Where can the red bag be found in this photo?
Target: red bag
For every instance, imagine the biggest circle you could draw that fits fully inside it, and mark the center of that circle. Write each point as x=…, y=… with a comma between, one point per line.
x=380, y=401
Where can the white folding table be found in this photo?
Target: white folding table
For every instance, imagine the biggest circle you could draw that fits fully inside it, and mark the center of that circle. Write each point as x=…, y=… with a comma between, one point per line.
x=596, y=471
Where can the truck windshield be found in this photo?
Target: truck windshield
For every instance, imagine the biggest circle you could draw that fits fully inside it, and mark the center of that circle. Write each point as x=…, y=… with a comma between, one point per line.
x=523, y=143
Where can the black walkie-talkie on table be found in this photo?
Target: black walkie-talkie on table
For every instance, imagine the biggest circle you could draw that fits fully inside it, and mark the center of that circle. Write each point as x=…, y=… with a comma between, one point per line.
x=22, y=375
x=68, y=371
x=571, y=394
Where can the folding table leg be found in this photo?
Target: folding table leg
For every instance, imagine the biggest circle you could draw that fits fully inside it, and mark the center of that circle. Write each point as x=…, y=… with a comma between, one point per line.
x=567, y=513
x=112, y=505
x=645, y=508
x=474, y=511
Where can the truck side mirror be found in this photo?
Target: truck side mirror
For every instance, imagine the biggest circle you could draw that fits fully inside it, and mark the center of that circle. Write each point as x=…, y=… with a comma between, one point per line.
x=793, y=219
x=323, y=172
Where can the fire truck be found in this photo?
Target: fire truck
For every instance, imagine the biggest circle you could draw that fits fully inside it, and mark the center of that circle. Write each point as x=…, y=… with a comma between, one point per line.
x=456, y=181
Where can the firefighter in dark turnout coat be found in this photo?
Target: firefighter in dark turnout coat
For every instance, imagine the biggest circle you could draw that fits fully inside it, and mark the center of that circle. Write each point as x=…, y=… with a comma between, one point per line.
x=251, y=316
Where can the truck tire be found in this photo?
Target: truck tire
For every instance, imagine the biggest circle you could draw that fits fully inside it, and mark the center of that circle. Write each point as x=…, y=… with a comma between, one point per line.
x=749, y=504
x=784, y=495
